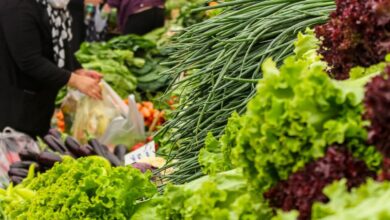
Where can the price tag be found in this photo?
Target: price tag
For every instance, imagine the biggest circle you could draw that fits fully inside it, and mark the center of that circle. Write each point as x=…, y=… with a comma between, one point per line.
x=148, y=150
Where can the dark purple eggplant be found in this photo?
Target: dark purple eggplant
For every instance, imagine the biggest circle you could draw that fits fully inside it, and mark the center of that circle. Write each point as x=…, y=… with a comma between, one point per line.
x=120, y=151
x=54, y=144
x=97, y=147
x=55, y=133
x=28, y=155
x=24, y=164
x=16, y=179
x=113, y=159
x=18, y=172
x=90, y=149
x=73, y=146
x=104, y=147
x=48, y=159
x=86, y=151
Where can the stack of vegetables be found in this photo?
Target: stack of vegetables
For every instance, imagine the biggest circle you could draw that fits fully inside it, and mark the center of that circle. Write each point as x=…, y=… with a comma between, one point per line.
x=216, y=55
x=127, y=62
x=304, y=130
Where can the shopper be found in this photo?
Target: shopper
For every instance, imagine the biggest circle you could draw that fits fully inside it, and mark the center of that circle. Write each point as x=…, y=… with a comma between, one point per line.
x=34, y=58
x=138, y=16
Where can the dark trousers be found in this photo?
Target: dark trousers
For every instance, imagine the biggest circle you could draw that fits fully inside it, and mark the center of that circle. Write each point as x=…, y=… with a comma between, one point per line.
x=144, y=22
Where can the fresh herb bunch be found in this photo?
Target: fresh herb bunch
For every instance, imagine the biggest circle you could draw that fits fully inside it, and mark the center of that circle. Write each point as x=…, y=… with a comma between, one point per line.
x=226, y=52
x=356, y=35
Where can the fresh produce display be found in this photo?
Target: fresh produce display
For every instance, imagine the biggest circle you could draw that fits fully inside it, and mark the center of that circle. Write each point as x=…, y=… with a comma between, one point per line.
x=224, y=196
x=356, y=35
x=87, y=188
x=224, y=54
x=127, y=62
x=272, y=110
x=302, y=131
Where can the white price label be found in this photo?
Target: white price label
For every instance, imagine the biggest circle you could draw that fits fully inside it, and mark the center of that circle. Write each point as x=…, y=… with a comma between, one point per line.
x=148, y=150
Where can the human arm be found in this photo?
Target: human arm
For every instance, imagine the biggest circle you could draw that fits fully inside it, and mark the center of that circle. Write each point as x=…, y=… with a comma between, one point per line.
x=24, y=40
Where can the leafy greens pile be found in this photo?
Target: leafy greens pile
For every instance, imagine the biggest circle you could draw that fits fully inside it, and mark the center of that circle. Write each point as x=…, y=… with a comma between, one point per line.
x=297, y=113
x=127, y=62
x=356, y=35
x=87, y=188
x=302, y=130
x=224, y=196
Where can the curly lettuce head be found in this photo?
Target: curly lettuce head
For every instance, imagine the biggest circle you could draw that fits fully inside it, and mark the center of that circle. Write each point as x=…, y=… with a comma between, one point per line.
x=297, y=113
x=88, y=188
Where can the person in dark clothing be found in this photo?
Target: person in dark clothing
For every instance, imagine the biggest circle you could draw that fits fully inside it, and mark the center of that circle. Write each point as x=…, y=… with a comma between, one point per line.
x=76, y=10
x=34, y=63
x=138, y=16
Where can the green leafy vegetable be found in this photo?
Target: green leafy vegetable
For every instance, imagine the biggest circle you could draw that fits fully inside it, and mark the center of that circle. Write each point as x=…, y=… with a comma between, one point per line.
x=370, y=201
x=297, y=113
x=224, y=196
x=88, y=188
x=216, y=155
x=226, y=51
x=126, y=62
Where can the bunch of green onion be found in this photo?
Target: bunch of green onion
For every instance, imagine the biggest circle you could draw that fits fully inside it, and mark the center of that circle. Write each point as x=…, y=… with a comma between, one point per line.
x=224, y=55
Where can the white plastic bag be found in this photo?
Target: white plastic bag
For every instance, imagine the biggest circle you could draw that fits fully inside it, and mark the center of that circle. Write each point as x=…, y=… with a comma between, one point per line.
x=93, y=117
x=11, y=143
x=127, y=130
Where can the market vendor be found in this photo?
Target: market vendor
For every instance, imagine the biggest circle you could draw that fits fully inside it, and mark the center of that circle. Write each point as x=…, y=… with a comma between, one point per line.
x=138, y=16
x=34, y=63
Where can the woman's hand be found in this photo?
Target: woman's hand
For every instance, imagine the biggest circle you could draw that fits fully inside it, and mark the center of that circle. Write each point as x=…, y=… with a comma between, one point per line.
x=87, y=85
x=89, y=73
x=93, y=2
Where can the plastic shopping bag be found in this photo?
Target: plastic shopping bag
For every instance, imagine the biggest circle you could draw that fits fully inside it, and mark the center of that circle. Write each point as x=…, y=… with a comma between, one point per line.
x=69, y=107
x=93, y=117
x=11, y=143
x=128, y=129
